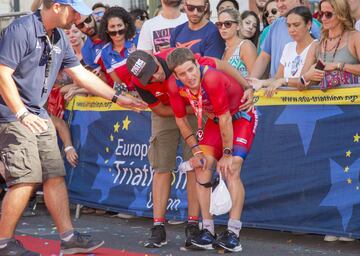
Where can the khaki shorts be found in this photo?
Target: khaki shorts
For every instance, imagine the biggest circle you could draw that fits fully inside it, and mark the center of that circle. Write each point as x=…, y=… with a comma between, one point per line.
x=29, y=157
x=164, y=142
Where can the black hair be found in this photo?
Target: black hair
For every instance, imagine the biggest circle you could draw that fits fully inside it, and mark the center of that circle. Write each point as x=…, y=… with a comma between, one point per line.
x=117, y=12
x=264, y=20
x=255, y=37
x=234, y=2
x=302, y=11
x=138, y=12
x=99, y=5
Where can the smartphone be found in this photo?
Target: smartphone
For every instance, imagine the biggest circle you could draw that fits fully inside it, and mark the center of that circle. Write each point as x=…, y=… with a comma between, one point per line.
x=320, y=65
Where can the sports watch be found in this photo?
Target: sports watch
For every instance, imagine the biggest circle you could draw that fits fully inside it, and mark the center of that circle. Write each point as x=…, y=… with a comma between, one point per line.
x=227, y=151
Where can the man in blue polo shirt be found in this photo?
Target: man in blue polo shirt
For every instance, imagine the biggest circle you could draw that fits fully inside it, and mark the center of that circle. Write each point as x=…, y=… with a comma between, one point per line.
x=32, y=51
x=198, y=34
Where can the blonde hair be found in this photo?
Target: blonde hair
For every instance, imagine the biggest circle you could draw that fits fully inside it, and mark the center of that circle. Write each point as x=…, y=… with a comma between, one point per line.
x=234, y=14
x=342, y=12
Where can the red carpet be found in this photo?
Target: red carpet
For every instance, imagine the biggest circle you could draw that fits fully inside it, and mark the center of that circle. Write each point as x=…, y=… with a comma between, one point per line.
x=52, y=248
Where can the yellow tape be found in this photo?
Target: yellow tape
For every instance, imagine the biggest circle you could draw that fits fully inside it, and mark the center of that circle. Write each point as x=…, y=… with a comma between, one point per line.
x=339, y=96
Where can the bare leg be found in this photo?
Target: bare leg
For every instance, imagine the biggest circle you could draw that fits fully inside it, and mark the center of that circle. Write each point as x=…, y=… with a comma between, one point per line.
x=57, y=202
x=193, y=203
x=14, y=203
x=161, y=191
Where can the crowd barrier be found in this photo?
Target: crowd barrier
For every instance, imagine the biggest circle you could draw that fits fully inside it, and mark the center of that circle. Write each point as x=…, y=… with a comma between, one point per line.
x=302, y=173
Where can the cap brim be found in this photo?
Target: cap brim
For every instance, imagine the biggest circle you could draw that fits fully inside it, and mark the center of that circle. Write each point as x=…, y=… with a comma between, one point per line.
x=82, y=8
x=150, y=71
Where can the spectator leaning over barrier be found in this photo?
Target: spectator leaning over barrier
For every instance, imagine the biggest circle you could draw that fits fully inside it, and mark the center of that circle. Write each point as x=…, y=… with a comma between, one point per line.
x=339, y=48
x=117, y=30
x=32, y=50
x=270, y=14
x=150, y=75
x=227, y=4
x=155, y=33
x=355, y=12
x=225, y=141
x=250, y=26
x=198, y=34
x=276, y=39
x=239, y=52
x=293, y=58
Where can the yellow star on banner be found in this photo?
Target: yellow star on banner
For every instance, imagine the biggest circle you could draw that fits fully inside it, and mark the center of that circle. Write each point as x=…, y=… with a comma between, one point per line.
x=356, y=137
x=348, y=153
x=106, y=161
x=107, y=150
x=116, y=127
x=349, y=181
x=126, y=123
x=346, y=169
x=111, y=137
x=357, y=188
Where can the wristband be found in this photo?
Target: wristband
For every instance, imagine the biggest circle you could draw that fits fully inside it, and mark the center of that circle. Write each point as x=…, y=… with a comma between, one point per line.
x=196, y=145
x=68, y=148
x=116, y=96
x=302, y=80
x=21, y=112
x=188, y=137
x=198, y=152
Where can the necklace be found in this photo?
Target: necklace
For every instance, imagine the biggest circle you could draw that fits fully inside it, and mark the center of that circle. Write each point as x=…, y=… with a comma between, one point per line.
x=336, y=48
x=335, y=37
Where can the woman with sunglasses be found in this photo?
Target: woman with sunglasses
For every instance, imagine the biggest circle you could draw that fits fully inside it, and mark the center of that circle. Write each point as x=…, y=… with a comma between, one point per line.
x=270, y=14
x=339, y=48
x=239, y=52
x=299, y=21
x=117, y=30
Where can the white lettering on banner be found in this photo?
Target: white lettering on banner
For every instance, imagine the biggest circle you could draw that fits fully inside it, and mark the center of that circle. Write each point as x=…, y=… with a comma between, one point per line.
x=125, y=175
x=173, y=203
x=138, y=150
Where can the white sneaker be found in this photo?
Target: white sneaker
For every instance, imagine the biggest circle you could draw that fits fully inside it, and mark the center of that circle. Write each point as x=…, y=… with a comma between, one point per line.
x=329, y=238
x=346, y=239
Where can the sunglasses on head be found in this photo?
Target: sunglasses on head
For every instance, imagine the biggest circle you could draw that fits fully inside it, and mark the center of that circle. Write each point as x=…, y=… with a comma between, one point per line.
x=199, y=8
x=142, y=18
x=327, y=15
x=273, y=11
x=88, y=20
x=227, y=23
x=114, y=33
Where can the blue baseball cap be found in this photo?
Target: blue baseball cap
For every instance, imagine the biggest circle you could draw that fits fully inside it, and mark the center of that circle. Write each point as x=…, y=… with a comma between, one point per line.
x=78, y=5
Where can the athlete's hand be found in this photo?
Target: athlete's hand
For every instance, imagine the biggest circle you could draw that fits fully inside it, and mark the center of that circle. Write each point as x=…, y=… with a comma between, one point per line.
x=72, y=157
x=35, y=123
x=131, y=103
x=198, y=161
x=224, y=165
x=247, y=100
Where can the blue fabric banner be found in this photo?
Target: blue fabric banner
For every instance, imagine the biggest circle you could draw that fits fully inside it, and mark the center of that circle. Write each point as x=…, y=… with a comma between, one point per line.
x=302, y=173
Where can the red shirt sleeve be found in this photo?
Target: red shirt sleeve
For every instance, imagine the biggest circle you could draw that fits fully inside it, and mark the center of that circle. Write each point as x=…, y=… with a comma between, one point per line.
x=215, y=84
x=205, y=61
x=177, y=102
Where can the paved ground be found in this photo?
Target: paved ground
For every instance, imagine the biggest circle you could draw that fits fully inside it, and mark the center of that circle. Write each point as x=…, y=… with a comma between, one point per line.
x=127, y=236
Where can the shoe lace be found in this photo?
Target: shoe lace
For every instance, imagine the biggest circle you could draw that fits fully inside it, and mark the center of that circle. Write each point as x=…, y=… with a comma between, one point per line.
x=82, y=237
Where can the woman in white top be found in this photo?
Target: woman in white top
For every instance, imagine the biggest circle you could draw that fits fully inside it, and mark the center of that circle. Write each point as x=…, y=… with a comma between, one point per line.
x=293, y=58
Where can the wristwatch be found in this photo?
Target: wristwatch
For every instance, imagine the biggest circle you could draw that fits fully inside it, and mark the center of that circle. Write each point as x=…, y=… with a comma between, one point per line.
x=116, y=96
x=227, y=151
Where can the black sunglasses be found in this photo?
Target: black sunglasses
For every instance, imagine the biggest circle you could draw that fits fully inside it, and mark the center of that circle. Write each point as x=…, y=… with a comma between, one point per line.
x=328, y=15
x=114, y=33
x=227, y=24
x=199, y=8
x=88, y=20
x=142, y=18
x=274, y=11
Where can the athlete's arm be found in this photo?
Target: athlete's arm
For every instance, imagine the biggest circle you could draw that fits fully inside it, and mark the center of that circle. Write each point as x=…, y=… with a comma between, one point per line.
x=226, y=131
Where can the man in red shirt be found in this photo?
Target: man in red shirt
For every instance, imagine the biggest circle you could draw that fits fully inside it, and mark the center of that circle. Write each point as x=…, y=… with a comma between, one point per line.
x=226, y=138
x=150, y=76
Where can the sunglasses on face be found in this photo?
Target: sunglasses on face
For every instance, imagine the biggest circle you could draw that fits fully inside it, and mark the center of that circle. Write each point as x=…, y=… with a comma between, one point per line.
x=199, y=8
x=99, y=14
x=327, y=15
x=273, y=11
x=227, y=24
x=142, y=18
x=114, y=33
x=88, y=20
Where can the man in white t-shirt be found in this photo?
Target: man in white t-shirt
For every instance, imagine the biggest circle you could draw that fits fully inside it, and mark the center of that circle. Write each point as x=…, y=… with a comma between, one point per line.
x=355, y=12
x=155, y=33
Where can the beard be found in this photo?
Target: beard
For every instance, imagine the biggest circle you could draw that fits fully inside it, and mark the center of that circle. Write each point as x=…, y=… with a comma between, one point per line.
x=172, y=3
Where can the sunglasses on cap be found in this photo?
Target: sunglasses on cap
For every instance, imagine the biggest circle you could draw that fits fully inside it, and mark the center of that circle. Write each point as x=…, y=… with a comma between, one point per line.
x=114, y=33
x=142, y=18
x=199, y=8
x=327, y=15
x=227, y=24
x=273, y=11
x=88, y=20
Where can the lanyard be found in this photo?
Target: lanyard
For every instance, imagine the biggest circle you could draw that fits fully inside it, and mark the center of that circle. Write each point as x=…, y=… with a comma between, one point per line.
x=48, y=51
x=198, y=108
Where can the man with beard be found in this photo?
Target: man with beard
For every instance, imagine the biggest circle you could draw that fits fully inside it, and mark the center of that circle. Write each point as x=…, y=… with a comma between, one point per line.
x=155, y=33
x=198, y=34
x=260, y=5
x=32, y=50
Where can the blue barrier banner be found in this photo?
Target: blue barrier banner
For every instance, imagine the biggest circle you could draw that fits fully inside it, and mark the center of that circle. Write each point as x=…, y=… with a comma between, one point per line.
x=302, y=173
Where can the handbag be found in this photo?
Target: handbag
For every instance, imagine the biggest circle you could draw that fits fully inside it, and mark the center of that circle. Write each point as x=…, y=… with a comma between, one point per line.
x=335, y=78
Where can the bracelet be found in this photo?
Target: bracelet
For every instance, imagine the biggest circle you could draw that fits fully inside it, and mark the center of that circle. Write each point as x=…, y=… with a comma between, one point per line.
x=116, y=96
x=21, y=112
x=302, y=80
x=249, y=87
x=25, y=114
x=198, y=152
x=342, y=67
x=196, y=145
x=68, y=148
x=338, y=66
x=188, y=137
